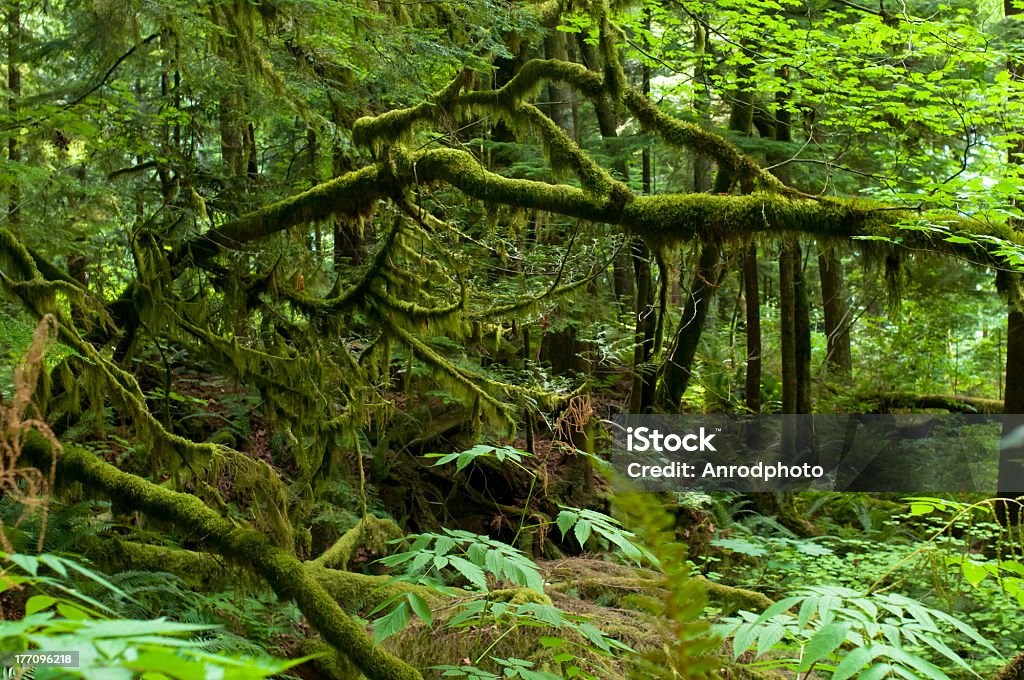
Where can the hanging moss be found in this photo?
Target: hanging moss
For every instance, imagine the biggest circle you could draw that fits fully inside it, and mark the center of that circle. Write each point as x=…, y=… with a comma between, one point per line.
x=353, y=193
x=895, y=281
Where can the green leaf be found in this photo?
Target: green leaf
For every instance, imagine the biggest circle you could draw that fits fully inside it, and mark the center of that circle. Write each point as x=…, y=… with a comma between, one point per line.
x=828, y=639
x=741, y=546
x=472, y=572
x=853, y=662
x=421, y=608
x=565, y=520
x=974, y=573
x=582, y=531
x=391, y=623
x=38, y=603
x=769, y=636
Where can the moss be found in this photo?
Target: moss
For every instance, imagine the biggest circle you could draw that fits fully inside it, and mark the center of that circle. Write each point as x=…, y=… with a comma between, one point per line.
x=350, y=194
x=703, y=142
x=948, y=402
x=327, y=662
x=462, y=171
x=200, y=569
x=281, y=569
x=370, y=533
x=362, y=592
x=736, y=598
x=1014, y=670
x=15, y=258
x=519, y=596
x=379, y=132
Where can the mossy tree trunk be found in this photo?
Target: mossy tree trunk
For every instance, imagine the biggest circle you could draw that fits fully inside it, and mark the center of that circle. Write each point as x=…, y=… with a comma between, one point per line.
x=250, y=547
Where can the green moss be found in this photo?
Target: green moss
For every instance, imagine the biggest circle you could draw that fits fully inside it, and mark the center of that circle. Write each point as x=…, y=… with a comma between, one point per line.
x=196, y=568
x=362, y=592
x=686, y=135
x=462, y=171
x=519, y=596
x=350, y=194
x=733, y=598
x=371, y=533
x=280, y=568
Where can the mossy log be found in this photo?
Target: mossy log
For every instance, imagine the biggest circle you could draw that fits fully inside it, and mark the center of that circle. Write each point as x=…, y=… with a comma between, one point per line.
x=736, y=598
x=597, y=580
x=954, y=403
x=280, y=569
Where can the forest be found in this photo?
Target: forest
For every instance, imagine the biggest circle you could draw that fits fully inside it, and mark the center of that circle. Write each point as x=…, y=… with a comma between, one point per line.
x=318, y=318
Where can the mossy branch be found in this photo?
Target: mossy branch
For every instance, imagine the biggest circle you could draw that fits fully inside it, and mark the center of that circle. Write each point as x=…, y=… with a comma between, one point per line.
x=370, y=532
x=350, y=194
x=703, y=142
x=282, y=570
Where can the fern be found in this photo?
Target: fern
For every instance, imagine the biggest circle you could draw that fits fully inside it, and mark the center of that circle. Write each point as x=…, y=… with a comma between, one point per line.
x=690, y=651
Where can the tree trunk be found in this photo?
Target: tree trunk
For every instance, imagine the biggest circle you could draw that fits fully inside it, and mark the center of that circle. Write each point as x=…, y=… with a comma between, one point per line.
x=753, y=321
x=839, y=358
x=677, y=369
x=1011, y=471
x=801, y=333
x=622, y=274
x=642, y=394
x=701, y=104
x=232, y=134
x=14, y=88
x=787, y=326
x=560, y=96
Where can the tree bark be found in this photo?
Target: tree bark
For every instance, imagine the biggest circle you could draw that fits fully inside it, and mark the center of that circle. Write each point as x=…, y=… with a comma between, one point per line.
x=677, y=369
x=1011, y=469
x=839, y=357
x=644, y=374
x=801, y=333
x=753, y=326
x=14, y=88
x=560, y=96
x=787, y=326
